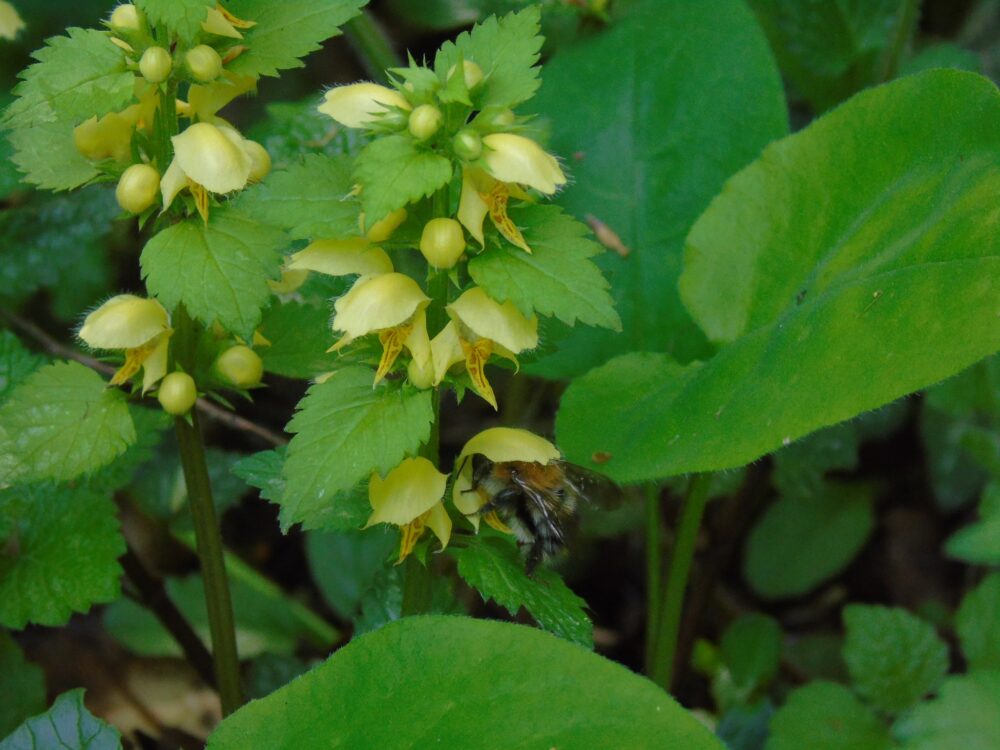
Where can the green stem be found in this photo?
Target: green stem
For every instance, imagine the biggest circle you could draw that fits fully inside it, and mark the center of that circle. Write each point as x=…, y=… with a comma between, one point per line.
x=654, y=569
x=372, y=45
x=677, y=580
x=213, y=570
x=416, y=588
x=908, y=18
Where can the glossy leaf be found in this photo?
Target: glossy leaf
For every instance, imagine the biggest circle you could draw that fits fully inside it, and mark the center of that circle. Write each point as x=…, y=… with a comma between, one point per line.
x=61, y=422
x=833, y=307
x=68, y=725
x=60, y=553
x=978, y=623
x=652, y=115
x=454, y=682
x=219, y=271
x=22, y=685
x=831, y=717
x=965, y=715
x=495, y=569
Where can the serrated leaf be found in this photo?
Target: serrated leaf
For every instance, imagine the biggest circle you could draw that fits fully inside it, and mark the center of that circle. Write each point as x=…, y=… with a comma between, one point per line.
x=557, y=278
x=978, y=624
x=47, y=157
x=184, y=17
x=16, y=363
x=300, y=336
x=292, y=130
x=507, y=50
x=800, y=542
x=22, y=684
x=454, y=682
x=495, y=569
x=828, y=717
x=286, y=31
x=61, y=422
x=344, y=563
x=965, y=715
x=68, y=725
x=150, y=426
x=263, y=471
x=344, y=430
x=894, y=658
x=219, y=271
x=311, y=199
x=751, y=648
x=60, y=553
x=77, y=76
x=393, y=171
x=657, y=111
x=884, y=270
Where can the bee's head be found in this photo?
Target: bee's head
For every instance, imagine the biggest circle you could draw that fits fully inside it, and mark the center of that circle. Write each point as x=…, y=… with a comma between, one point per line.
x=481, y=468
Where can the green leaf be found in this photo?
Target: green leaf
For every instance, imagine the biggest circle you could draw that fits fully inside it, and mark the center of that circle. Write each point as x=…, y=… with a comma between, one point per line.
x=894, y=658
x=60, y=553
x=268, y=672
x=22, y=685
x=964, y=716
x=830, y=50
x=800, y=542
x=829, y=717
x=344, y=563
x=453, y=682
x=263, y=471
x=943, y=55
x=507, y=51
x=16, y=362
x=751, y=648
x=300, y=335
x=292, y=130
x=745, y=727
x=394, y=172
x=557, y=278
x=311, y=199
x=978, y=623
x=150, y=426
x=286, y=31
x=344, y=430
x=884, y=270
x=218, y=271
x=495, y=569
x=68, y=725
x=979, y=542
x=659, y=117
x=77, y=76
x=61, y=422
x=264, y=621
x=184, y=17
x=817, y=655
x=47, y=156
x=800, y=467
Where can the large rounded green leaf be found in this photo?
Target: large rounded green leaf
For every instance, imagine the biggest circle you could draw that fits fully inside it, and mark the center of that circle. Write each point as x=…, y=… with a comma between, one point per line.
x=454, y=682
x=853, y=263
x=656, y=112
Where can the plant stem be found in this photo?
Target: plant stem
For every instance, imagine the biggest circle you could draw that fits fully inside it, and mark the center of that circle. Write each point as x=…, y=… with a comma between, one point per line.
x=416, y=588
x=677, y=579
x=372, y=45
x=908, y=18
x=213, y=570
x=654, y=569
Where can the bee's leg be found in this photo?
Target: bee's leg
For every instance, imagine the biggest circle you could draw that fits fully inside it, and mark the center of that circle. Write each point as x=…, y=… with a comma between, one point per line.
x=535, y=555
x=503, y=501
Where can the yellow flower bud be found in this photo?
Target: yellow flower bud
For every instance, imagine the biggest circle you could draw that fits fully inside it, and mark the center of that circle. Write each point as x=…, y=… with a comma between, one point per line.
x=420, y=374
x=240, y=366
x=260, y=160
x=514, y=158
x=107, y=137
x=467, y=144
x=358, y=104
x=500, y=119
x=382, y=229
x=472, y=72
x=138, y=188
x=442, y=242
x=155, y=64
x=126, y=18
x=425, y=121
x=204, y=63
x=177, y=393
x=10, y=22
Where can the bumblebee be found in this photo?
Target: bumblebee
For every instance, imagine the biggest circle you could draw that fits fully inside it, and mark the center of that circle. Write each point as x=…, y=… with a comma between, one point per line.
x=535, y=501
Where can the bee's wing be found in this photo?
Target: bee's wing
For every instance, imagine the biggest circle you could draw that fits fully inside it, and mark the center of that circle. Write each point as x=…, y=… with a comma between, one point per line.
x=591, y=486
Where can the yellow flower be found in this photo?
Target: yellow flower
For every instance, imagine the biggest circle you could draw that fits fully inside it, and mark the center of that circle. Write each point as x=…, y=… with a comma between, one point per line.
x=341, y=258
x=514, y=158
x=497, y=444
x=10, y=22
x=479, y=328
x=204, y=100
x=410, y=497
x=392, y=306
x=110, y=136
x=482, y=195
x=207, y=159
x=138, y=325
x=359, y=104
x=223, y=23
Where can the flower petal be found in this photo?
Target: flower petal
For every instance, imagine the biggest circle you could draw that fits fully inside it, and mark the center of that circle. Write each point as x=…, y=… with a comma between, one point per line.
x=155, y=366
x=213, y=156
x=446, y=350
x=496, y=203
x=476, y=357
x=125, y=322
x=10, y=21
x=357, y=104
x=378, y=302
x=514, y=158
x=341, y=258
x=488, y=319
x=205, y=100
x=472, y=209
x=406, y=493
x=173, y=181
x=418, y=342
x=438, y=520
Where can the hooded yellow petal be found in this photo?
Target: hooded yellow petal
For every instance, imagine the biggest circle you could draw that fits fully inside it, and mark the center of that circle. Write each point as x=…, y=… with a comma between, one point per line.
x=10, y=21
x=107, y=137
x=357, y=104
x=508, y=444
x=377, y=303
x=488, y=319
x=173, y=181
x=446, y=350
x=125, y=322
x=207, y=99
x=406, y=492
x=418, y=342
x=342, y=258
x=472, y=209
x=213, y=157
x=217, y=23
x=438, y=520
x=155, y=366
x=514, y=158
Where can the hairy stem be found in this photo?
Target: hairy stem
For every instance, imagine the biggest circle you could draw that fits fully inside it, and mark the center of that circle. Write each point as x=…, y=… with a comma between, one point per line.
x=654, y=569
x=372, y=45
x=677, y=579
x=213, y=570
